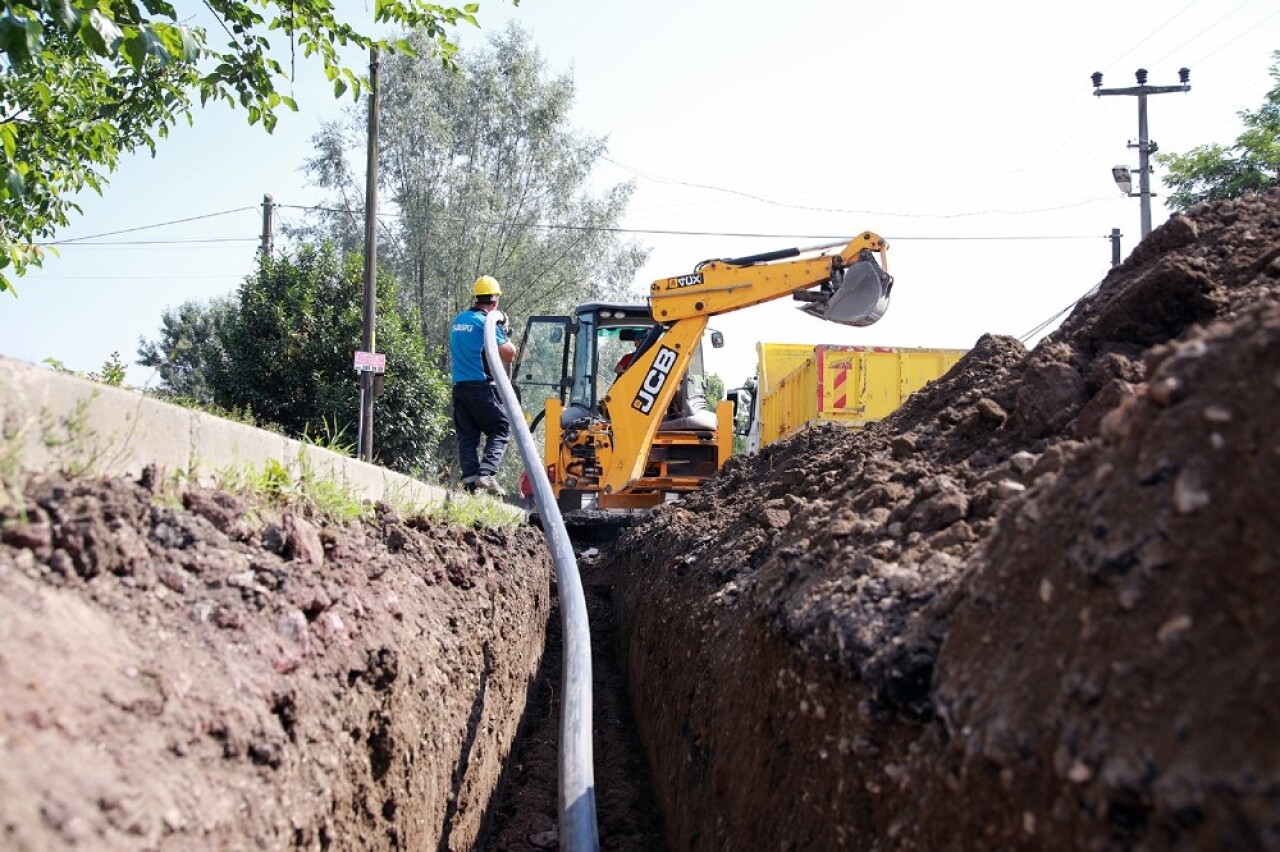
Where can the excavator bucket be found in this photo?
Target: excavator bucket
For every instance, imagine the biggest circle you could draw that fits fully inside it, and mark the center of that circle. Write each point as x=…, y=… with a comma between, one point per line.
x=856, y=295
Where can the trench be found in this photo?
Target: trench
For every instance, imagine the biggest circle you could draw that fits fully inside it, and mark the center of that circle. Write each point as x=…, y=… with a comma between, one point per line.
x=524, y=813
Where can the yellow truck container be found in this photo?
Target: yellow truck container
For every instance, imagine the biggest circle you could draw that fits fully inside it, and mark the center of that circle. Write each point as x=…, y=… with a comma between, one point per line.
x=801, y=385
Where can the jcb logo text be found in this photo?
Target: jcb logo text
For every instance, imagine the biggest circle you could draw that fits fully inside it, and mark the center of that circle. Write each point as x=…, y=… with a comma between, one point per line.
x=654, y=381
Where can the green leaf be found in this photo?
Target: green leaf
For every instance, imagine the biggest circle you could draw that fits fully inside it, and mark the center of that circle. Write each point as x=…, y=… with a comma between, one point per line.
x=67, y=14
x=175, y=42
x=15, y=185
x=9, y=139
x=135, y=49
x=20, y=38
x=106, y=29
x=91, y=37
x=339, y=88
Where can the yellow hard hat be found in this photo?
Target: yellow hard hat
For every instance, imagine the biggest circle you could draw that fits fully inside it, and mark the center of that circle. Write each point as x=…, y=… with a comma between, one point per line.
x=487, y=285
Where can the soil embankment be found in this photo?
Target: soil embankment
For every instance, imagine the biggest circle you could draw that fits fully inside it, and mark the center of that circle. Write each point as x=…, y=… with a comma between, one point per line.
x=1035, y=608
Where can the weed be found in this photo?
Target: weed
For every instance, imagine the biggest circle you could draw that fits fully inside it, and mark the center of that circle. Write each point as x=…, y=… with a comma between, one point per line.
x=329, y=439
x=113, y=371
x=71, y=440
x=297, y=485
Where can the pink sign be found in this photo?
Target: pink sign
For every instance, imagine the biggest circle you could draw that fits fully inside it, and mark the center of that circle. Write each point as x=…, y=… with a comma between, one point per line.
x=371, y=362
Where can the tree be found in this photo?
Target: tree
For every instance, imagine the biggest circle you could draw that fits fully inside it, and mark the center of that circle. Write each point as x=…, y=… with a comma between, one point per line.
x=715, y=389
x=65, y=120
x=190, y=348
x=1252, y=164
x=284, y=349
x=84, y=81
x=484, y=176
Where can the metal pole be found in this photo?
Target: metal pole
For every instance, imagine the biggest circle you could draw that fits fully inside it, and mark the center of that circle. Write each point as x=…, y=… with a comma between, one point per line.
x=370, y=260
x=268, y=225
x=1115, y=246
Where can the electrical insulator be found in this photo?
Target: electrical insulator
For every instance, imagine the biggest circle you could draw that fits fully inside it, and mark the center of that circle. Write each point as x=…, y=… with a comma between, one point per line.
x=1142, y=76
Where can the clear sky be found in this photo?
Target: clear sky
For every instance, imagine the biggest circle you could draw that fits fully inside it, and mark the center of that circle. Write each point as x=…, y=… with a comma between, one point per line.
x=967, y=134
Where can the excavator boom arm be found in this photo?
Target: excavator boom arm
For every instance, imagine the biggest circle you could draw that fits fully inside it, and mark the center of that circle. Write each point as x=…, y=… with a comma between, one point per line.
x=637, y=402
x=720, y=286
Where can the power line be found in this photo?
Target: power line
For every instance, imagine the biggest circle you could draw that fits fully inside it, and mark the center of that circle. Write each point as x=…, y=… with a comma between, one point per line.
x=1048, y=322
x=1202, y=31
x=111, y=243
x=1151, y=34
x=1247, y=30
x=990, y=212
x=679, y=233
x=140, y=277
x=148, y=227
x=1075, y=96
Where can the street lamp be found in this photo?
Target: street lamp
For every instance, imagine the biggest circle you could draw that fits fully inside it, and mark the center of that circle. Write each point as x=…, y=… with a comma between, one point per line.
x=1120, y=174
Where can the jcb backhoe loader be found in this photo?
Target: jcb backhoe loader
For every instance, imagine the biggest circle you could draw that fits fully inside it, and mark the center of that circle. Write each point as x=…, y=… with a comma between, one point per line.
x=634, y=439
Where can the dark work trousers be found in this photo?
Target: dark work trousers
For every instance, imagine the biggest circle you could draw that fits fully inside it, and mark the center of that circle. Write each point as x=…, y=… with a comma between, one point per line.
x=477, y=411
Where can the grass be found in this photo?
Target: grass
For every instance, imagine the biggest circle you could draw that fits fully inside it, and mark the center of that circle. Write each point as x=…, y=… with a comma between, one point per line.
x=474, y=510
x=298, y=485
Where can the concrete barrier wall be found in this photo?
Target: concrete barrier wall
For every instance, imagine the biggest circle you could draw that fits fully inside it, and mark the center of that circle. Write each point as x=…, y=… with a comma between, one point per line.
x=55, y=421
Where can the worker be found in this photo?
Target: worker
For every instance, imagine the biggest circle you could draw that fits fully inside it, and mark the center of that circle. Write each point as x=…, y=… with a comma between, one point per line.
x=477, y=410
x=624, y=362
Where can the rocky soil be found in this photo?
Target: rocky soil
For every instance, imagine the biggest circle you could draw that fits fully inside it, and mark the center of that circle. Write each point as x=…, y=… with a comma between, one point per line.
x=1034, y=609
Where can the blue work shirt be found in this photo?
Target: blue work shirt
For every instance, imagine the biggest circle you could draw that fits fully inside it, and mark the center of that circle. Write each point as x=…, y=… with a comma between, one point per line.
x=466, y=347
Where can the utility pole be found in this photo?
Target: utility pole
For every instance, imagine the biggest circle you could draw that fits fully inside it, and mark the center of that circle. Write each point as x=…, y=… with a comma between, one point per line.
x=268, y=225
x=1144, y=144
x=1115, y=246
x=370, y=261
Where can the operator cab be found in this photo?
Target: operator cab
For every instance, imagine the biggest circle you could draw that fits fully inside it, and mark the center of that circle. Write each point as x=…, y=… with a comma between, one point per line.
x=575, y=359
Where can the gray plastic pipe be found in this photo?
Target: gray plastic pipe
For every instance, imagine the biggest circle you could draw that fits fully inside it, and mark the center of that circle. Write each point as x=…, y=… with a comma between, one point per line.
x=578, y=832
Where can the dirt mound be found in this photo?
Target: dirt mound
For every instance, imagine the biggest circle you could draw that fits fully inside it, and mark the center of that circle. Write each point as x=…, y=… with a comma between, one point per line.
x=218, y=674
x=1034, y=608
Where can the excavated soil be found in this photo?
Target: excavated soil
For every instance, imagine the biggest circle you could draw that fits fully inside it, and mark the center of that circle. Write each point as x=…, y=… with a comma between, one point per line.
x=1037, y=608
x=1034, y=609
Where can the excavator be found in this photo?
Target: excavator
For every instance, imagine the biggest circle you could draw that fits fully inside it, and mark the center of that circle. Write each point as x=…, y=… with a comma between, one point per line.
x=624, y=439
